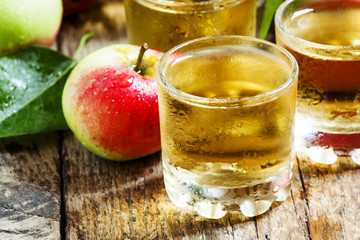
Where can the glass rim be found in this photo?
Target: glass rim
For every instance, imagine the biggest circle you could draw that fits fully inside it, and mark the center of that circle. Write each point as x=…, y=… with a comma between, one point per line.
x=198, y=6
x=303, y=42
x=232, y=102
x=189, y=3
x=202, y=6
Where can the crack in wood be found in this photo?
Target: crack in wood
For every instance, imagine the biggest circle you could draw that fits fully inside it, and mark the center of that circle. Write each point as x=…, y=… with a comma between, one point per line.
x=256, y=228
x=63, y=220
x=307, y=220
x=232, y=227
x=305, y=228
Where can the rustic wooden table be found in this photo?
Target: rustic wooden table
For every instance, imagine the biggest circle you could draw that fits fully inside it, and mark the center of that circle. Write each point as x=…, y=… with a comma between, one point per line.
x=52, y=188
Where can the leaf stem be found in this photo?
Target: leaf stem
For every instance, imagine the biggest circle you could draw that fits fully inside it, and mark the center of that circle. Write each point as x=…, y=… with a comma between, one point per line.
x=83, y=40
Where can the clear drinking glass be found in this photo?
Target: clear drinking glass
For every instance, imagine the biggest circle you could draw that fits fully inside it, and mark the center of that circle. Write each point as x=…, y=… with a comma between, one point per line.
x=162, y=24
x=226, y=117
x=324, y=37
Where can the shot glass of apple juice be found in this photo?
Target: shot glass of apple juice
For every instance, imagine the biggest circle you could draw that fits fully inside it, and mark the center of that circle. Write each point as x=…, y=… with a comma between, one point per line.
x=324, y=37
x=166, y=23
x=227, y=108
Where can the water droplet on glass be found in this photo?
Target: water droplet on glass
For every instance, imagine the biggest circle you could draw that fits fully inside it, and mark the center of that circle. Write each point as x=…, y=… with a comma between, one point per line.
x=276, y=189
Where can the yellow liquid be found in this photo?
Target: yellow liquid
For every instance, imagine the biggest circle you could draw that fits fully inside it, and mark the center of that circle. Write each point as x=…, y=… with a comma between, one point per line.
x=330, y=27
x=163, y=25
x=329, y=83
x=227, y=146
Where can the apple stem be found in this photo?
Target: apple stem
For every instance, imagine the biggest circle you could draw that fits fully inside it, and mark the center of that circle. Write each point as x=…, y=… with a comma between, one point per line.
x=143, y=48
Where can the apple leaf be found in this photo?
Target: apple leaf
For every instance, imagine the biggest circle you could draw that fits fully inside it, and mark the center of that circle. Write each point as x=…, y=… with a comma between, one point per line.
x=270, y=8
x=32, y=82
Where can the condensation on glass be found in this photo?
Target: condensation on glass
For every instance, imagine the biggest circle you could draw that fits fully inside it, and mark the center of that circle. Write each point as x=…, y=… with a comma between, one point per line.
x=227, y=124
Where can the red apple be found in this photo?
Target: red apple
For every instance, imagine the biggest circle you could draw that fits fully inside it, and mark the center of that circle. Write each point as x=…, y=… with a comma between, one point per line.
x=110, y=107
x=76, y=6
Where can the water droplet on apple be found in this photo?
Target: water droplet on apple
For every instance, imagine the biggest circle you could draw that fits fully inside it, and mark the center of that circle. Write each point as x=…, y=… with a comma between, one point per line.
x=126, y=82
x=123, y=79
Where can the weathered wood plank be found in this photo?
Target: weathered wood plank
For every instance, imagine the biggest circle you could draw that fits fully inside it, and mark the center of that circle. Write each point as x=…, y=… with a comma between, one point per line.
x=127, y=200
x=332, y=194
x=30, y=187
x=288, y=219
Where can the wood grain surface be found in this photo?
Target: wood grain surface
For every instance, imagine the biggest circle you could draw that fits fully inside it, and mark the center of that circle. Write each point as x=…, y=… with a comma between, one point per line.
x=53, y=188
x=30, y=187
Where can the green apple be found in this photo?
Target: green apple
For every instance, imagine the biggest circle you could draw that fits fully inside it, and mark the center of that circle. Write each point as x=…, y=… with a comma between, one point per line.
x=110, y=102
x=26, y=22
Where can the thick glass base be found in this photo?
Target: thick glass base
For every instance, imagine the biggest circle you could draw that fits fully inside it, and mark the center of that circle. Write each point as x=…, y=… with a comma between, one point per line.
x=326, y=148
x=215, y=202
x=325, y=141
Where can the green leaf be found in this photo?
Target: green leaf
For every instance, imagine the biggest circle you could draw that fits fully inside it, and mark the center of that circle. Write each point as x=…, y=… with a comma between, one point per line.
x=270, y=8
x=31, y=85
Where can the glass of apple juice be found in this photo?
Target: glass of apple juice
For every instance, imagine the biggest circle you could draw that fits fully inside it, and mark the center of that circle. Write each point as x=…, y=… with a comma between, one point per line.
x=324, y=37
x=165, y=23
x=227, y=108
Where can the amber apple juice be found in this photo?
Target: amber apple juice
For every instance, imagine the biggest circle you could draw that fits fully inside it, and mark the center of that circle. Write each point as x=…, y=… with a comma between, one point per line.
x=329, y=77
x=324, y=37
x=229, y=133
x=164, y=24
